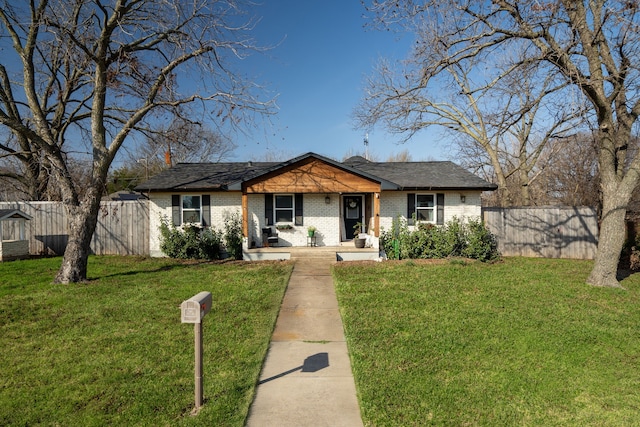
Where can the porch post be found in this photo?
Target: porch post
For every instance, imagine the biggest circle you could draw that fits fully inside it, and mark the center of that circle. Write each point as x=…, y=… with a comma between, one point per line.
x=376, y=214
x=245, y=214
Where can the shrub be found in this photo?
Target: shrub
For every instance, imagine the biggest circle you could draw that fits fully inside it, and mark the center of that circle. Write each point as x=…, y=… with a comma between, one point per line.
x=189, y=243
x=454, y=239
x=395, y=239
x=210, y=242
x=481, y=243
x=233, y=235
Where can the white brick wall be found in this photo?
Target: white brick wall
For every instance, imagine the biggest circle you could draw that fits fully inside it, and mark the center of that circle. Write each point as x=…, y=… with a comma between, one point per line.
x=222, y=204
x=394, y=204
x=256, y=218
x=159, y=208
x=325, y=217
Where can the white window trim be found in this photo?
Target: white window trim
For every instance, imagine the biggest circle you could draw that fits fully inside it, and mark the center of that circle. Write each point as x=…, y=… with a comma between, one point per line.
x=183, y=210
x=434, y=208
x=292, y=209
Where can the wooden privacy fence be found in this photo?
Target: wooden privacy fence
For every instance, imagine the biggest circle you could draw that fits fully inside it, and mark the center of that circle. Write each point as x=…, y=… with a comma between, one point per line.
x=549, y=232
x=123, y=227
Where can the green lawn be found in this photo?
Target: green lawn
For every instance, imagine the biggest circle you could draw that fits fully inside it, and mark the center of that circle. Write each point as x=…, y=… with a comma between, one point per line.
x=113, y=351
x=520, y=342
x=523, y=342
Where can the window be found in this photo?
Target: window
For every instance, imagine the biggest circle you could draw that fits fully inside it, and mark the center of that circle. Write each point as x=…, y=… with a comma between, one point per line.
x=425, y=207
x=352, y=206
x=284, y=207
x=421, y=206
x=191, y=210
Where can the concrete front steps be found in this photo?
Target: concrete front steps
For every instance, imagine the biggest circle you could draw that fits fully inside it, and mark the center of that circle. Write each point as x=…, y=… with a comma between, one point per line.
x=346, y=252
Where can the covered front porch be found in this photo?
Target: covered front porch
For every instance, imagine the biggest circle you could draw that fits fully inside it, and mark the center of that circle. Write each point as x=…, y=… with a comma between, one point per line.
x=337, y=201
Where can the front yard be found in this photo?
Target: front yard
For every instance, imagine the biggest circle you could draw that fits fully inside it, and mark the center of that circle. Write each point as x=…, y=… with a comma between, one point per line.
x=113, y=351
x=521, y=342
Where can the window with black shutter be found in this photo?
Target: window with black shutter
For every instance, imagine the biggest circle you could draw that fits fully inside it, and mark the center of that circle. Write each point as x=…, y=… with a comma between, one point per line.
x=426, y=207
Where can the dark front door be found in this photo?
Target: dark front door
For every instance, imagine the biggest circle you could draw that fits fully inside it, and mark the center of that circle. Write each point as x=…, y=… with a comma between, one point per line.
x=352, y=214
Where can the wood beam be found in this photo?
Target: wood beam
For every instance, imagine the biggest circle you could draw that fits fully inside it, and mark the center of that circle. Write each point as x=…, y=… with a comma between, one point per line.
x=245, y=214
x=312, y=177
x=376, y=214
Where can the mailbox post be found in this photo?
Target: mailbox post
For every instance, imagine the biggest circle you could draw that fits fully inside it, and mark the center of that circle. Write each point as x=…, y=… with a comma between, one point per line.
x=192, y=311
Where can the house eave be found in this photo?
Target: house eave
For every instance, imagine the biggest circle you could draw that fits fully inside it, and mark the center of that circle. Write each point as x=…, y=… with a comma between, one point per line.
x=183, y=189
x=491, y=187
x=384, y=184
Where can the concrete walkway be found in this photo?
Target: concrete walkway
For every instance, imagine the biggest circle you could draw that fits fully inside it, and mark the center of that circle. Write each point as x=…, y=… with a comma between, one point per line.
x=306, y=379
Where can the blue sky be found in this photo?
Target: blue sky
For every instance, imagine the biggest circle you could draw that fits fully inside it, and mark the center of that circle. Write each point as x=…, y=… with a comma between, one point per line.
x=318, y=68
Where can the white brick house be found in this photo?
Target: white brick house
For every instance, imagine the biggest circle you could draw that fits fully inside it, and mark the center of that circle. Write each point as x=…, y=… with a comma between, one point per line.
x=311, y=190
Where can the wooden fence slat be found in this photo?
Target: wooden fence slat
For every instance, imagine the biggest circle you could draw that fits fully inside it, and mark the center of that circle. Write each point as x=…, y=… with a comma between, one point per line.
x=550, y=232
x=122, y=229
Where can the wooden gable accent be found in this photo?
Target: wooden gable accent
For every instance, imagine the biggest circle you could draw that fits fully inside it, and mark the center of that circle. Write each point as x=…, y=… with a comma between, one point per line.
x=311, y=176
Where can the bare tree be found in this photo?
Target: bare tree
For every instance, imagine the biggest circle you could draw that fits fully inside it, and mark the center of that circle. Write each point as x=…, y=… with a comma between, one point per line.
x=593, y=44
x=181, y=141
x=23, y=168
x=402, y=156
x=95, y=71
x=280, y=155
x=572, y=178
x=499, y=127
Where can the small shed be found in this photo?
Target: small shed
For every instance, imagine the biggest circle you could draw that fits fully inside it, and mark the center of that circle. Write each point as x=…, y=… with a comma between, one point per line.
x=13, y=241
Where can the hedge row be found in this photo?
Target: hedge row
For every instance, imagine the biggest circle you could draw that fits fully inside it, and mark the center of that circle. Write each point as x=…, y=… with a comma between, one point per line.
x=470, y=239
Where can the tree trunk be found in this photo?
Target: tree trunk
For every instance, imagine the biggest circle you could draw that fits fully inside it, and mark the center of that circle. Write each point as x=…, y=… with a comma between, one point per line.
x=611, y=241
x=525, y=193
x=83, y=221
x=504, y=195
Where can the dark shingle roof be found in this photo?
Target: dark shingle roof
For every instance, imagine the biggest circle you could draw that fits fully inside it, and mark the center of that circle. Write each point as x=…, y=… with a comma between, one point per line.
x=397, y=175
x=204, y=176
x=441, y=175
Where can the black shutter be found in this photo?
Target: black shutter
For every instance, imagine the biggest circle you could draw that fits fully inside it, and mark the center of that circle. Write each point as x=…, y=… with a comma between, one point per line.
x=440, y=209
x=268, y=208
x=298, y=210
x=411, y=208
x=175, y=209
x=206, y=210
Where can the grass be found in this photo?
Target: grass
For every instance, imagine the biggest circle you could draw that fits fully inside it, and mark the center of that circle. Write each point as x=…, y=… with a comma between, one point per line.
x=112, y=351
x=521, y=342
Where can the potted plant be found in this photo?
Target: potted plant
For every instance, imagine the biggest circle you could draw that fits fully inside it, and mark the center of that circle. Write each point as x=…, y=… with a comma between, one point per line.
x=311, y=230
x=359, y=238
x=284, y=226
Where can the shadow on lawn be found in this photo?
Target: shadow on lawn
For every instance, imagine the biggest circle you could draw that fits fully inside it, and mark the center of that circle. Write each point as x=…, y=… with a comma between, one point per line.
x=177, y=265
x=625, y=273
